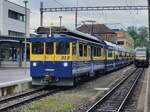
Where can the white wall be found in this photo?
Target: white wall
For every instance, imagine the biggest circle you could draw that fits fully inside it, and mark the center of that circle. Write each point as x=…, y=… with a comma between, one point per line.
x=1, y=19
x=12, y=24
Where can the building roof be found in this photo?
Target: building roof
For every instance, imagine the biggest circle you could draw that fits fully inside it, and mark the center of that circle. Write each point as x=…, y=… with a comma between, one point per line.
x=97, y=29
x=16, y=4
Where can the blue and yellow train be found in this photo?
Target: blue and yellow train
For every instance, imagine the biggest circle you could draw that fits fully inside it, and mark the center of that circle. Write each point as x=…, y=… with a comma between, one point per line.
x=67, y=56
x=141, y=57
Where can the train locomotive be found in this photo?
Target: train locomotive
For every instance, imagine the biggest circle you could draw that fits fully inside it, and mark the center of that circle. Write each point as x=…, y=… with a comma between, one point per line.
x=141, y=57
x=63, y=59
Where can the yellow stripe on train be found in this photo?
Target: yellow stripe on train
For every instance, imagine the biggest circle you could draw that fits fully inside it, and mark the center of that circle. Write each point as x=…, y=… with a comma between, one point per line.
x=140, y=58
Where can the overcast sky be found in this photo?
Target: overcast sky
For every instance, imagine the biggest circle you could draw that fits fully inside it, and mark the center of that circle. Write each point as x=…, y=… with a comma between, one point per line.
x=126, y=18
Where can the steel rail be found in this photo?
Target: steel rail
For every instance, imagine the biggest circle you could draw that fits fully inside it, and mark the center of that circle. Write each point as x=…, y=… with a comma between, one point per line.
x=25, y=100
x=130, y=91
x=21, y=94
x=96, y=105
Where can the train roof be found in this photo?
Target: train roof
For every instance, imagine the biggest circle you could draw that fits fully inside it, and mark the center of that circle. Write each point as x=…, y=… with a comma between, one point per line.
x=140, y=48
x=80, y=35
x=111, y=45
x=52, y=39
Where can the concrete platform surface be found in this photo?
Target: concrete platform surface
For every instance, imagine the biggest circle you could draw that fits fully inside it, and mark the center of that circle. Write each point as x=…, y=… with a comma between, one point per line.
x=12, y=76
x=148, y=95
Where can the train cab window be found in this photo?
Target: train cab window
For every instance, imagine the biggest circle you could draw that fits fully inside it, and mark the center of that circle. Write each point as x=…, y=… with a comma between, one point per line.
x=37, y=48
x=62, y=48
x=49, y=48
x=85, y=50
x=81, y=50
x=110, y=54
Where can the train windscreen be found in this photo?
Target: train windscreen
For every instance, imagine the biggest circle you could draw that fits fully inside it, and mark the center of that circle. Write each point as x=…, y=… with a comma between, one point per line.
x=37, y=48
x=49, y=48
x=140, y=52
x=62, y=48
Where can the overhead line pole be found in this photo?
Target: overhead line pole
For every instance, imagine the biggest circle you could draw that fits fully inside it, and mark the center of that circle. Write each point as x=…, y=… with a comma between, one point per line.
x=41, y=14
x=25, y=41
x=149, y=17
x=76, y=17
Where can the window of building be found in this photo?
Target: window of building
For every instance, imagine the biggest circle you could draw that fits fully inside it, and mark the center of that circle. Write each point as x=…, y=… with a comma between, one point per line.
x=15, y=15
x=16, y=34
x=120, y=42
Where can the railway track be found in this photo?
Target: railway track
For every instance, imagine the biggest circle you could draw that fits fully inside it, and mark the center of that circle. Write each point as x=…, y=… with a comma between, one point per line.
x=115, y=99
x=20, y=99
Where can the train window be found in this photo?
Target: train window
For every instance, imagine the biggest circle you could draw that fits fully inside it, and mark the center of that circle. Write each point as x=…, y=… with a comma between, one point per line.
x=109, y=53
x=92, y=51
x=95, y=51
x=80, y=50
x=37, y=48
x=49, y=48
x=89, y=51
x=99, y=52
x=120, y=54
x=85, y=50
x=74, y=48
x=62, y=48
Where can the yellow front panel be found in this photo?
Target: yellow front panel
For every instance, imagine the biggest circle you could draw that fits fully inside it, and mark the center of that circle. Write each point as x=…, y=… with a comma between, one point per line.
x=37, y=57
x=49, y=57
x=62, y=58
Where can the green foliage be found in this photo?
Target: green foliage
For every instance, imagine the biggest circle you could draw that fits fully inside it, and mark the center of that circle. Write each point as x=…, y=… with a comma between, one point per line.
x=140, y=36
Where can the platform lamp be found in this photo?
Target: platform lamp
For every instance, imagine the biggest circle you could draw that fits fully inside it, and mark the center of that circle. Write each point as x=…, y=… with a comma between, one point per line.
x=25, y=37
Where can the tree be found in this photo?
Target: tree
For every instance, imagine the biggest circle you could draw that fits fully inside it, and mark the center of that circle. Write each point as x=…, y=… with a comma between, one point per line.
x=140, y=36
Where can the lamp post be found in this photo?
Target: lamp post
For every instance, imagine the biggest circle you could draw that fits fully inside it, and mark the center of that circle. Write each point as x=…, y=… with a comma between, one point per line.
x=25, y=37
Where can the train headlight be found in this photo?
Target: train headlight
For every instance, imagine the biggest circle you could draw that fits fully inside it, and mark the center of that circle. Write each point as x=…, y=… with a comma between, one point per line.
x=34, y=64
x=65, y=64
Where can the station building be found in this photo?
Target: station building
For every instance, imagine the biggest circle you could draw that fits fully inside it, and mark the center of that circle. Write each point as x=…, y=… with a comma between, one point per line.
x=124, y=39
x=100, y=31
x=12, y=30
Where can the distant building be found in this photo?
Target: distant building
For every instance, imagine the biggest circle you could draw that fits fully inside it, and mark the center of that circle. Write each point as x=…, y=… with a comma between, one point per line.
x=12, y=19
x=101, y=31
x=124, y=39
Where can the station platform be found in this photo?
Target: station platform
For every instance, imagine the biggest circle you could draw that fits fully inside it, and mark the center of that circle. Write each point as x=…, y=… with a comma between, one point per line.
x=14, y=80
x=147, y=109
x=144, y=97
